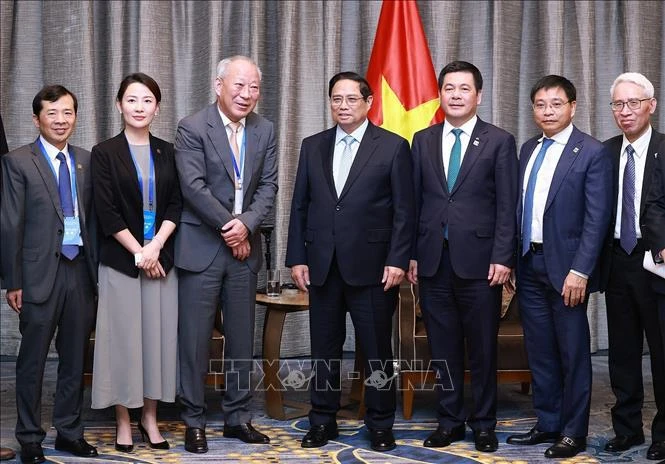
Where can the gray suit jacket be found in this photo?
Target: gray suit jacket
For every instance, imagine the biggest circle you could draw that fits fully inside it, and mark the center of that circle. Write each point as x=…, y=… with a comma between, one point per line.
x=32, y=222
x=203, y=160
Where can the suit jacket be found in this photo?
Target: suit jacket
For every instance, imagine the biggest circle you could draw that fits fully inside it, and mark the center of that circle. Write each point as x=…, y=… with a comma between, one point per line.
x=577, y=210
x=613, y=146
x=653, y=219
x=369, y=226
x=478, y=210
x=119, y=202
x=203, y=159
x=32, y=221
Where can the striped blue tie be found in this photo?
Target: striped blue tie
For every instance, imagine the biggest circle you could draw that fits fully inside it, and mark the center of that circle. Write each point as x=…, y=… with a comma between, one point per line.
x=628, y=233
x=527, y=217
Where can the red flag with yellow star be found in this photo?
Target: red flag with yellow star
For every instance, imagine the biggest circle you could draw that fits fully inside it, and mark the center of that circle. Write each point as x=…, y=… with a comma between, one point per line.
x=401, y=73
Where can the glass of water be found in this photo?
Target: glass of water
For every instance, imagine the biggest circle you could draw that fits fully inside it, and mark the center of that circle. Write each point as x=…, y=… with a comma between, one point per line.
x=273, y=283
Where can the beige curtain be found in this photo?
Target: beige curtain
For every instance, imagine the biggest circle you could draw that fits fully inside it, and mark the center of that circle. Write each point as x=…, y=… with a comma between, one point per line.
x=90, y=45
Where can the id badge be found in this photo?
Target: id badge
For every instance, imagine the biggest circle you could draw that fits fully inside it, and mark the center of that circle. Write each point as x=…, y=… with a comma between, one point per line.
x=237, y=202
x=72, y=231
x=148, y=224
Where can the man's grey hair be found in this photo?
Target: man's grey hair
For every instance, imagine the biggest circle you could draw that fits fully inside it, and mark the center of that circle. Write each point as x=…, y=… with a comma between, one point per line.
x=634, y=78
x=223, y=66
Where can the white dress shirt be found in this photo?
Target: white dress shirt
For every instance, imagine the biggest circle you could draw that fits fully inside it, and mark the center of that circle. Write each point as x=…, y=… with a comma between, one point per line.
x=641, y=145
x=448, y=140
x=339, y=146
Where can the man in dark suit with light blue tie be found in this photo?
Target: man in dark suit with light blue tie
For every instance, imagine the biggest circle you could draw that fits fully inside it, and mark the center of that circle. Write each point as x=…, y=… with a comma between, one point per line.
x=227, y=165
x=628, y=293
x=563, y=214
x=465, y=173
x=349, y=244
x=50, y=270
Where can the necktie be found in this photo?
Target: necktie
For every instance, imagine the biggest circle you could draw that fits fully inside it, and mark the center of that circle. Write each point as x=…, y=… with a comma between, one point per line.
x=527, y=217
x=628, y=233
x=65, y=190
x=233, y=140
x=344, y=164
x=455, y=159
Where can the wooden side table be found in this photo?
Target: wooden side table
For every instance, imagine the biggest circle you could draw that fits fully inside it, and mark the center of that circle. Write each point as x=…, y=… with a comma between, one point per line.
x=276, y=310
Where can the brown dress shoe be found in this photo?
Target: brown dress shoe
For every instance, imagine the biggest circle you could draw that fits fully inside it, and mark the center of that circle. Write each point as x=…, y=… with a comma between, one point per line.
x=6, y=454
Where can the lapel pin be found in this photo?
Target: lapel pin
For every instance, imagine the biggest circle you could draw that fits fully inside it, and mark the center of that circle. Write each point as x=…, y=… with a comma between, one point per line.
x=576, y=149
x=159, y=151
x=476, y=142
x=79, y=166
x=655, y=155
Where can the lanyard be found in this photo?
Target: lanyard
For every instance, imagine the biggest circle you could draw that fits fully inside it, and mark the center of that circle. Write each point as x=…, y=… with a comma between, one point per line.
x=239, y=169
x=72, y=172
x=151, y=178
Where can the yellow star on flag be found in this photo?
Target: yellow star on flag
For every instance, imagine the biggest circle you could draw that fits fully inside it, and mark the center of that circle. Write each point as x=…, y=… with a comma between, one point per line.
x=398, y=119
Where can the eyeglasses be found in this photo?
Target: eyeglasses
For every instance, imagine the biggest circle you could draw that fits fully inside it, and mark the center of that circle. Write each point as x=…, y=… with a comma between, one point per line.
x=633, y=104
x=351, y=100
x=555, y=105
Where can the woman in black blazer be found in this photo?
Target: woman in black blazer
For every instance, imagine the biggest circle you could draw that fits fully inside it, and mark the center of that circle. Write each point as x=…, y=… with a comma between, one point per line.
x=138, y=204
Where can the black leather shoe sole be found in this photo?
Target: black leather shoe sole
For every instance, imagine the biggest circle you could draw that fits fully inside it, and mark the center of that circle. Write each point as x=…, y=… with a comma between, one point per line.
x=566, y=447
x=441, y=438
x=319, y=435
x=533, y=437
x=623, y=443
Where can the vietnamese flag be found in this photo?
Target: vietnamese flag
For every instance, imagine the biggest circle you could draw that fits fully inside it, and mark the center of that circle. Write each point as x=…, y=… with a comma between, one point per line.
x=401, y=73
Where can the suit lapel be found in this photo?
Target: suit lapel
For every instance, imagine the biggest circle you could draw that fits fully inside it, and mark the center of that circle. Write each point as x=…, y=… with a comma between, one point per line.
x=434, y=150
x=219, y=139
x=476, y=145
x=48, y=177
x=364, y=153
x=570, y=153
x=252, y=138
x=650, y=165
x=127, y=163
x=525, y=156
x=327, y=150
x=80, y=183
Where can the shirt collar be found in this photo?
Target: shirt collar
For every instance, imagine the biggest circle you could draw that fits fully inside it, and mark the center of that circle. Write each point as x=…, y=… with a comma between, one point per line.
x=356, y=134
x=226, y=120
x=467, y=127
x=640, y=145
x=53, y=151
x=560, y=137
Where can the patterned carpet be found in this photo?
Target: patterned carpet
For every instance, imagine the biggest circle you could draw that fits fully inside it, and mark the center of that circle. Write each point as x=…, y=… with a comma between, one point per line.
x=515, y=415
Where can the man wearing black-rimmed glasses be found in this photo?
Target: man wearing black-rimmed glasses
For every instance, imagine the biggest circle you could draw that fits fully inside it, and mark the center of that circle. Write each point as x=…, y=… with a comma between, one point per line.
x=630, y=298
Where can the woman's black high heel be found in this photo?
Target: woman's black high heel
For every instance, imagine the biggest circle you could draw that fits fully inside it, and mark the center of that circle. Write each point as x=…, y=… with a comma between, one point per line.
x=162, y=445
x=120, y=447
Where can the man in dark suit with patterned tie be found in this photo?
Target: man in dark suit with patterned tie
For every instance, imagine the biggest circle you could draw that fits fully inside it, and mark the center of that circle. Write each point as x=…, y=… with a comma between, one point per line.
x=630, y=298
x=350, y=237
x=465, y=173
x=563, y=213
x=49, y=267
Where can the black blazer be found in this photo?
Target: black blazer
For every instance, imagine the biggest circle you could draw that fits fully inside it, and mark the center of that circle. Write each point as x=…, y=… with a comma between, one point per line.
x=614, y=147
x=119, y=204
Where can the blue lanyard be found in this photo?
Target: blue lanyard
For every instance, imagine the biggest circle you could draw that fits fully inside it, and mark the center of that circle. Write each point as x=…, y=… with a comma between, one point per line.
x=72, y=171
x=239, y=169
x=151, y=178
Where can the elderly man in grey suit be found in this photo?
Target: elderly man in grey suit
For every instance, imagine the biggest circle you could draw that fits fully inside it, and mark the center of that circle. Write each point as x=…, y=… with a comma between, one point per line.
x=48, y=263
x=225, y=156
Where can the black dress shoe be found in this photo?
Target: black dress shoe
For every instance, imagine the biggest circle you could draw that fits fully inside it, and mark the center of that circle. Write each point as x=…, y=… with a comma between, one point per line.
x=623, y=443
x=78, y=447
x=195, y=440
x=486, y=441
x=566, y=447
x=32, y=453
x=443, y=437
x=381, y=439
x=319, y=435
x=245, y=432
x=533, y=437
x=656, y=450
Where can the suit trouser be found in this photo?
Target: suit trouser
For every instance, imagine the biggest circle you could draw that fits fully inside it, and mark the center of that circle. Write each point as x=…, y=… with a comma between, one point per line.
x=372, y=311
x=71, y=309
x=232, y=283
x=455, y=309
x=631, y=312
x=557, y=342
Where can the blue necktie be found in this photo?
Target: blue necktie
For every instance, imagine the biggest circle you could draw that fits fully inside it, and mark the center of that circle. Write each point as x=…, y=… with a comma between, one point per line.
x=65, y=190
x=527, y=217
x=628, y=233
x=454, y=163
x=455, y=159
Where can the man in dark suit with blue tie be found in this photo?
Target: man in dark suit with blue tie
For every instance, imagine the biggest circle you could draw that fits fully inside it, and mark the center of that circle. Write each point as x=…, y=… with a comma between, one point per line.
x=630, y=298
x=49, y=269
x=465, y=176
x=563, y=211
x=349, y=244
